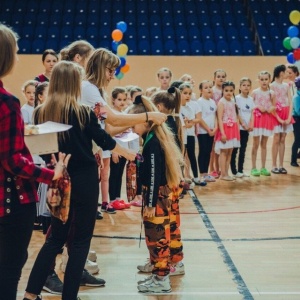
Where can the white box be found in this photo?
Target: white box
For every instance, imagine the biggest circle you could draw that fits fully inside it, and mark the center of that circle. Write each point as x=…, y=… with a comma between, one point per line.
x=45, y=141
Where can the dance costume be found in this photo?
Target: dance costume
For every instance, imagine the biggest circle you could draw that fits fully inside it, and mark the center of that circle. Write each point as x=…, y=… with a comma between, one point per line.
x=264, y=122
x=282, y=107
x=230, y=126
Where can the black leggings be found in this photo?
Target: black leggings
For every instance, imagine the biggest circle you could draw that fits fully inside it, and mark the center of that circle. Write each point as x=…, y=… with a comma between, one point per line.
x=244, y=140
x=190, y=149
x=205, y=146
x=115, y=178
x=82, y=216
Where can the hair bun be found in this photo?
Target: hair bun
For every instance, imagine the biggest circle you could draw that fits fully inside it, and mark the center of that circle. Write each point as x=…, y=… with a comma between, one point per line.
x=171, y=90
x=138, y=100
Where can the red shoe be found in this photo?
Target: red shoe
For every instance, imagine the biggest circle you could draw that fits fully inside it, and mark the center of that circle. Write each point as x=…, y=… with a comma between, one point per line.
x=117, y=205
x=127, y=205
x=215, y=174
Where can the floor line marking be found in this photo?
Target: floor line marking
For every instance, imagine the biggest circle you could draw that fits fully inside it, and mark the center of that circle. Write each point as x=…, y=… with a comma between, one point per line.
x=237, y=278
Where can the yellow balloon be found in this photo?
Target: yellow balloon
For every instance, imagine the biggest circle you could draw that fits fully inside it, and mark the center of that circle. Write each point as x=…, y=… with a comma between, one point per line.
x=295, y=17
x=122, y=50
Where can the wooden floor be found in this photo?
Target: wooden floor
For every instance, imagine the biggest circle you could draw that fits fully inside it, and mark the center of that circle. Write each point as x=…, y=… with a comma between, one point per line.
x=241, y=241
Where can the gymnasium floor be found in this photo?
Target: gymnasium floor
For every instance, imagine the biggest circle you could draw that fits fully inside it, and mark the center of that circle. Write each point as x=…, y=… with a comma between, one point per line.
x=241, y=241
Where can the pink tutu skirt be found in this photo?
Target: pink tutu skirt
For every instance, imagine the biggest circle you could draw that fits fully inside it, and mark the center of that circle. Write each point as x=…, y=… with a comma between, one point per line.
x=283, y=113
x=264, y=123
x=232, y=133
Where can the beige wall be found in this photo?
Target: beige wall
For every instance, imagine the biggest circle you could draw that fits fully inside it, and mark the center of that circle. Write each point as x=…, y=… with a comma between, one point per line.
x=143, y=69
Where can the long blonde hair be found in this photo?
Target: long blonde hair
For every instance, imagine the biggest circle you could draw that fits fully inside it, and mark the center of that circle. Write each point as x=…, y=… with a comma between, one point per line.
x=97, y=64
x=63, y=94
x=173, y=156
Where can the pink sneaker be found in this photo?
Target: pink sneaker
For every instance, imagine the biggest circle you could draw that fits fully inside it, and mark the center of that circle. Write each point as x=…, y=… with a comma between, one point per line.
x=215, y=174
x=127, y=205
x=137, y=203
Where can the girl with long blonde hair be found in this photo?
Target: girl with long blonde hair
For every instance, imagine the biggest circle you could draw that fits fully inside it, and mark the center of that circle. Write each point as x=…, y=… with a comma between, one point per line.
x=62, y=106
x=160, y=175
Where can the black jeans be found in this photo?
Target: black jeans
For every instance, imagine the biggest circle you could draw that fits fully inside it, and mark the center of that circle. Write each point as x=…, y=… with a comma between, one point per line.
x=80, y=224
x=205, y=146
x=15, y=234
x=296, y=144
x=190, y=148
x=115, y=178
x=244, y=140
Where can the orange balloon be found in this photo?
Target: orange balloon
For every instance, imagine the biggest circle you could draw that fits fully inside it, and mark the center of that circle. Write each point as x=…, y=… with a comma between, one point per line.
x=117, y=35
x=125, y=69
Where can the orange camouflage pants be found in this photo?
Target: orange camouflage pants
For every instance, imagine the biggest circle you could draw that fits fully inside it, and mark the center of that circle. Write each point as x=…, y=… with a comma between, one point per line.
x=162, y=232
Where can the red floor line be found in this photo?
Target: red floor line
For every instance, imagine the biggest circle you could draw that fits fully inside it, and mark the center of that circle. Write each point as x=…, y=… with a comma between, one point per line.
x=236, y=212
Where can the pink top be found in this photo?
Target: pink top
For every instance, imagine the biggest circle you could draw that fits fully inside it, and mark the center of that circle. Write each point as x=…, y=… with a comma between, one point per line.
x=229, y=114
x=216, y=94
x=263, y=98
x=281, y=92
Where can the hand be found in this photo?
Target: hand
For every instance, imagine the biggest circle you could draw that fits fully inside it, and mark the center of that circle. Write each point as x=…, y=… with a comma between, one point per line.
x=130, y=154
x=211, y=132
x=223, y=138
x=62, y=163
x=271, y=109
x=250, y=129
x=115, y=158
x=157, y=117
x=261, y=109
x=149, y=212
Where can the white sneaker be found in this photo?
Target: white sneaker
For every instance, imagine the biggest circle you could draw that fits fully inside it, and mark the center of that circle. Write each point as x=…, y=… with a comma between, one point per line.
x=92, y=256
x=156, y=285
x=146, y=268
x=177, y=269
x=239, y=175
x=145, y=279
x=246, y=174
x=90, y=266
x=209, y=178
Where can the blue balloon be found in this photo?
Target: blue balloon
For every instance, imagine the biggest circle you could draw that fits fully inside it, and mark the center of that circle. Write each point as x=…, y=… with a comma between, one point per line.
x=114, y=45
x=122, y=26
x=293, y=31
x=123, y=61
x=118, y=69
x=290, y=58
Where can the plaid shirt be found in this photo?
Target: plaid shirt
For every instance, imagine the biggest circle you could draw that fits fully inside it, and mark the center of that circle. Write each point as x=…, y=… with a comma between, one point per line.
x=17, y=170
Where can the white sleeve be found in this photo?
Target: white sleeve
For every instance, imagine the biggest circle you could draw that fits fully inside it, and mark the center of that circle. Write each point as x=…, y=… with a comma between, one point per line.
x=25, y=115
x=90, y=95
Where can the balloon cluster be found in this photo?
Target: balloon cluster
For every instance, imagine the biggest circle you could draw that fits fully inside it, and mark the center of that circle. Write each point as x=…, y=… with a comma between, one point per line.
x=292, y=42
x=120, y=48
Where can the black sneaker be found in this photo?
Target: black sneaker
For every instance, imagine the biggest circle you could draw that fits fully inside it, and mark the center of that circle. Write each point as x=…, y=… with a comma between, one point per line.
x=53, y=284
x=89, y=280
x=37, y=298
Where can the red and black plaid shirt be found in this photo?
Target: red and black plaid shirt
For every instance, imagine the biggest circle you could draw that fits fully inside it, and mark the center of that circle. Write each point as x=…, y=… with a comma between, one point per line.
x=17, y=170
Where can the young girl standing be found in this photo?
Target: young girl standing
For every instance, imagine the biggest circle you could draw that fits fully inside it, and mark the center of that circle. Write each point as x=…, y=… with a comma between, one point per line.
x=228, y=135
x=164, y=76
x=292, y=72
x=117, y=163
x=191, y=116
x=41, y=92
x=160, y=175
x=27, y=109
x=62, y=106
x=264, y=121
x=245, y=106
x=283, y=114
x=206, y=128
x=219, y=78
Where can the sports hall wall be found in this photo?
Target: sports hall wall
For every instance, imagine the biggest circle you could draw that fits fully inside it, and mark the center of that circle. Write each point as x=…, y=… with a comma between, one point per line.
x=143, y=69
